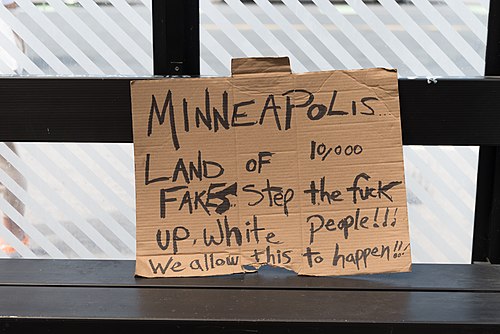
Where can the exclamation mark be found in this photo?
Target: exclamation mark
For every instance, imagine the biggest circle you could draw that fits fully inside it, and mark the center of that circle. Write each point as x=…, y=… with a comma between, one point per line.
x=386, y=217
x=404, y=250
x=397, y=249
x=394, y=221
x=375, y=218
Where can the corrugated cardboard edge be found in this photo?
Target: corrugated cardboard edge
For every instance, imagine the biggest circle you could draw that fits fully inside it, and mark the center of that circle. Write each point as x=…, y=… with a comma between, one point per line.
x=244, y=66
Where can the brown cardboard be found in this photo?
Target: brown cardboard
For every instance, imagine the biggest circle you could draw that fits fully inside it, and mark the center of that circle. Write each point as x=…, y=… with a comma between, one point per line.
x=311, y=131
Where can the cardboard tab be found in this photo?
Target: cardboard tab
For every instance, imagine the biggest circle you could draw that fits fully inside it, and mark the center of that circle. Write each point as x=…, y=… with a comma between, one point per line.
x=298, y=171
x=243, y=66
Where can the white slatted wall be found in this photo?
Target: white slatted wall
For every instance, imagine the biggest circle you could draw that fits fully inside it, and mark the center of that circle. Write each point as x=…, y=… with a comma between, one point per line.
x=79, y=198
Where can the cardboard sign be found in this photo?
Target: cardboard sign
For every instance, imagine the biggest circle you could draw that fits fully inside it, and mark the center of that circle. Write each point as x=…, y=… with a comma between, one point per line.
x=300, y=171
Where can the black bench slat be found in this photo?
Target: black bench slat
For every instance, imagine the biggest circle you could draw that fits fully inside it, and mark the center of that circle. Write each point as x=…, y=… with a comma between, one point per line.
x=109, y=273
x=235, y=305
x=452, y=111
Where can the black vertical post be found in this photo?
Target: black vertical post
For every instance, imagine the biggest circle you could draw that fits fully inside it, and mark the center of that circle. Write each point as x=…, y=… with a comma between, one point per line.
x=176, y=37
x=486, y=243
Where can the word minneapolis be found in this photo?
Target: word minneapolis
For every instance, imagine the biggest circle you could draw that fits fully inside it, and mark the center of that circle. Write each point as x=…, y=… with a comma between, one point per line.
x=249, y=113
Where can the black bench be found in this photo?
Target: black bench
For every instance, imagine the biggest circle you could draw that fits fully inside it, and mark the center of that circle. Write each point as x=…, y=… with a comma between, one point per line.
x=82, y=296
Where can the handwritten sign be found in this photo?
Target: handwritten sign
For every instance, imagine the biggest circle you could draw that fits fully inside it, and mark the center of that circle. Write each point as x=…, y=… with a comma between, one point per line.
x=300, y=171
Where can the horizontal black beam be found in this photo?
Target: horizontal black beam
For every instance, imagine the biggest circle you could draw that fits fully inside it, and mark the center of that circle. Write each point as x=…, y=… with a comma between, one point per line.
x=450, y=111
x=65, y=110
x=77, y=326
x=445, y=111
x=257, y=309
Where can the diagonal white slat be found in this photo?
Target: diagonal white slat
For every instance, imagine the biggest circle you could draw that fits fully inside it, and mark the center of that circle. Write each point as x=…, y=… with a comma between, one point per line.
x=455, y=240
x=74, y=215
x=9, y=45
x=88, y=153
x=147, y=4
x=465, y=175
x=471, y=20
x=59, y=37
x=424, y=243
x=264, y=33
x=125, y=153
x=30, y=230
x=294, y=35
x=11, y=240
x=322, y=34
x=463, y=186
x=89, y=35
x=471, y=155
x=349, y=30
x=58, y=201
x=458, y=207
x=126, y=159
x=446, y=177
x=55, y=225
x=452, y=35
x=419, y=35
x=8, y=64
x=4, y=68
x=439, y=163
x=118, y=34
x=485, y=4
x=124, y=168
x=453, y=245
x=98, y=185
x=215, y=48
x=206, y=69
x=86, y=199
x=34, y=43
x=467, y=160
x=389, y=38
x=131, y=15
x=228, y=29
x=422, y=240
x=419, y=253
